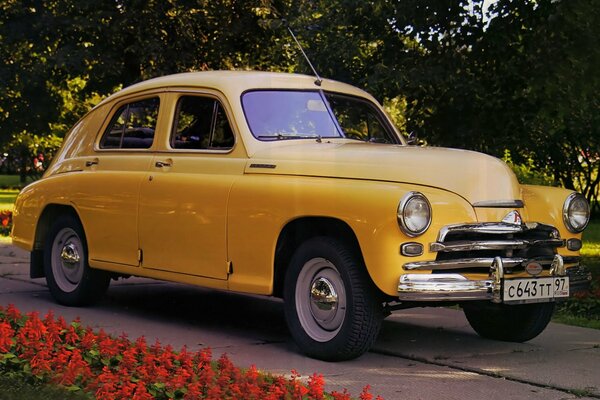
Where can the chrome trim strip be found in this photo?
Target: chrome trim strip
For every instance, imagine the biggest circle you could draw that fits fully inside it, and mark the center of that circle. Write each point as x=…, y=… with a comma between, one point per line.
x=500, y=204
x=468, y=245
x=267, y=166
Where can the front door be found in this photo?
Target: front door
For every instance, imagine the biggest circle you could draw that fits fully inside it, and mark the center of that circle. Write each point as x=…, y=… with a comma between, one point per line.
x=183, y=200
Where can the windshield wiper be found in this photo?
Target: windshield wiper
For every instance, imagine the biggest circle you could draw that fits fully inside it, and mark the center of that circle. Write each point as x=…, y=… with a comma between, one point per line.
x=280, y=136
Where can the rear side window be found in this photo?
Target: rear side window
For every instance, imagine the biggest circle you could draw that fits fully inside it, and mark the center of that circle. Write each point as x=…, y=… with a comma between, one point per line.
x=201, y=124
x=132, y=126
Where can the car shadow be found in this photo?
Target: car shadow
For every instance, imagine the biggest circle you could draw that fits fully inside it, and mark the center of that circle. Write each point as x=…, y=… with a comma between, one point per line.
x=188, y=306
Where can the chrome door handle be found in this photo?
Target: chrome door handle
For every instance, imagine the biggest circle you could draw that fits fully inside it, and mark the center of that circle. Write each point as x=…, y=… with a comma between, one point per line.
x=91, y=162
x=161, y=164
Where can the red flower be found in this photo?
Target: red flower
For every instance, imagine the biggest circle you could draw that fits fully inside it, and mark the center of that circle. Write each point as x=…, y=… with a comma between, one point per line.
x=117, y=369
x=6, y=337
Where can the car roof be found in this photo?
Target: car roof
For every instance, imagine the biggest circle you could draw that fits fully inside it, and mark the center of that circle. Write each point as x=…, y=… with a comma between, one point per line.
x=237, y=82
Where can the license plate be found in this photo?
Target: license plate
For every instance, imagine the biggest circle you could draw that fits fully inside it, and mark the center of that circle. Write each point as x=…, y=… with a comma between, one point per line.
x=535, y=289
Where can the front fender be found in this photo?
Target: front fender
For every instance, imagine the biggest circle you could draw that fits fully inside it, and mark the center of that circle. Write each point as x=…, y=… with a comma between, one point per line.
x=260, y=206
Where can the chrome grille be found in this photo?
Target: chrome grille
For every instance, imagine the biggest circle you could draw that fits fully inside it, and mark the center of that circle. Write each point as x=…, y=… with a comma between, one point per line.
x=473, y=247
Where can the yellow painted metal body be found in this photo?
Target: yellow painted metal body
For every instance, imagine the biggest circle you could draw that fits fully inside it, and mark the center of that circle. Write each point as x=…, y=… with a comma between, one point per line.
x=210, y=210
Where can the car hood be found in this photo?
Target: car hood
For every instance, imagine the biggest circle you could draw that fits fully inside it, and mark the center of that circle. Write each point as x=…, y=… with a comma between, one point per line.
x=474, y=176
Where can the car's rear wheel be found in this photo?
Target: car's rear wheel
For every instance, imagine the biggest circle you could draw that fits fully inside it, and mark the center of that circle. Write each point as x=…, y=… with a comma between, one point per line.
x=331, y=307
x=509, y=323
x=69, y=277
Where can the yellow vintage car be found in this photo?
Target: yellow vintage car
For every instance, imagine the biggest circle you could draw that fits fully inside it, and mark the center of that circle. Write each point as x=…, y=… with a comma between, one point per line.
x=283, y=185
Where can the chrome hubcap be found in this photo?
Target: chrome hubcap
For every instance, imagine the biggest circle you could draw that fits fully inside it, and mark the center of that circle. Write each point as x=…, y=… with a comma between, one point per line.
x=323, y=302
x=69, y=254
x=320, y=299
x=67, y=260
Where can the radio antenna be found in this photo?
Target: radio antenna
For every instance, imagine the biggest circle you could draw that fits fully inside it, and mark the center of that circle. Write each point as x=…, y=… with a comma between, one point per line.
x=319, y=80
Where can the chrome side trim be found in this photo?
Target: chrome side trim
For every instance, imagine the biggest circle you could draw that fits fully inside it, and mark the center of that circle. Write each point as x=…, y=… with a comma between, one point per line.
x=267, y=166
x=500, y=204
x=468, y=245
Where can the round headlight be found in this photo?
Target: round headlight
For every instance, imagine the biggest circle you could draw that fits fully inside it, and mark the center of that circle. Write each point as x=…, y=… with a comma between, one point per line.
x=576, y=212
x=414, y=214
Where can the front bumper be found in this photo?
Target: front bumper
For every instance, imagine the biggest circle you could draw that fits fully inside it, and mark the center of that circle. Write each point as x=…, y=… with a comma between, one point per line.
x=456, y=287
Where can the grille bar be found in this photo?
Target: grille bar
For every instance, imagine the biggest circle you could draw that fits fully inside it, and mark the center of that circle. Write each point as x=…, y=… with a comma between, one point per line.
x=484, y=262
x=472, y=245
x=494, y=228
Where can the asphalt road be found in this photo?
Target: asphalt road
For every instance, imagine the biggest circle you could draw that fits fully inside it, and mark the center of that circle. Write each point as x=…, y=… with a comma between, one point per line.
x=420, y=354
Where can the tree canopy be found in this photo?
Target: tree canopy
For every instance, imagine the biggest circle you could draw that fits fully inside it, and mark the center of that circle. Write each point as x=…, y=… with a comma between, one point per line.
x=521, y=77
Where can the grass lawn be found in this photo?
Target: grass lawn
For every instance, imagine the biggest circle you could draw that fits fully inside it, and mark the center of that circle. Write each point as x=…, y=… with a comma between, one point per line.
x=7, y=198
x=12, y=181
x=584, y=312
x=9, y=189
x=591, y=247
x=591, y=240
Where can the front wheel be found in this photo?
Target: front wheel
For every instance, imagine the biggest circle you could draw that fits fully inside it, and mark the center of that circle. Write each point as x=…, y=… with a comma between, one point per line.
x=69, y=277
x=509, y=323
x=332, y=309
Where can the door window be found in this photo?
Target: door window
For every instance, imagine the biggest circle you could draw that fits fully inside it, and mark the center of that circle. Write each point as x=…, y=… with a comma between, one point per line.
x=201, y=124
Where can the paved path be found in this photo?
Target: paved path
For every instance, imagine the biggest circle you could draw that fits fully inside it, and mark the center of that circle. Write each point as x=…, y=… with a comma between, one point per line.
x=420, y=353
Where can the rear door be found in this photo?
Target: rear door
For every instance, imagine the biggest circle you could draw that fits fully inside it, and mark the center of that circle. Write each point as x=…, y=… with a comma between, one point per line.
x=107, y=192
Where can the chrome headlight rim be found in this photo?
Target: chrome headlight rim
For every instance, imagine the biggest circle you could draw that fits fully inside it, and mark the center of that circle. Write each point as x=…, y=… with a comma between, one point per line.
x=404, y=202
x=567, y=212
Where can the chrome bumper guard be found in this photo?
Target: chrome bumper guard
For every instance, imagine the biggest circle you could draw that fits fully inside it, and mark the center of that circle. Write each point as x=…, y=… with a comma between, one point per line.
x=456, y=287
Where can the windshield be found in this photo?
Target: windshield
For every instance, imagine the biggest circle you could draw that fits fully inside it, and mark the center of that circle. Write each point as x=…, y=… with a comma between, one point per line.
x=288, y=114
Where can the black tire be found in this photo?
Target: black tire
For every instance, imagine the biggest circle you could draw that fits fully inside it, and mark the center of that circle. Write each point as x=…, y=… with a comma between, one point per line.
x=69, y=277
x=508, y=323
x=341, y=317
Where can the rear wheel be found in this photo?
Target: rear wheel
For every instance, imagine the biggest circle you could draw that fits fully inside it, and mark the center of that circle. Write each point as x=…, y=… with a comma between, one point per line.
x=331, y=306
x=518, y=323
x=70, y=279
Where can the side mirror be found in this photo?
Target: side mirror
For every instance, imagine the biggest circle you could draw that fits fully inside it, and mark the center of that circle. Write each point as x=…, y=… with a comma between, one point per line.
x=412, y=139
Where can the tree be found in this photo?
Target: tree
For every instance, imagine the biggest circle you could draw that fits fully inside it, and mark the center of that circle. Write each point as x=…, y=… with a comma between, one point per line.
x=522, y=78
x=58, y=58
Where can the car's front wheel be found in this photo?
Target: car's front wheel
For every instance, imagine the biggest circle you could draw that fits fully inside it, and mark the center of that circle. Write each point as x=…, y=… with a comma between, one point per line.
x=509, y=323
x=69, y=277
x=331, y=307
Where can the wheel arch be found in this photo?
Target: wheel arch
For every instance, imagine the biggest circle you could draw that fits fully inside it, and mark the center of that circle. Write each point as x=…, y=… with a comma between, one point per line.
x=301, y=229
x=51, y=213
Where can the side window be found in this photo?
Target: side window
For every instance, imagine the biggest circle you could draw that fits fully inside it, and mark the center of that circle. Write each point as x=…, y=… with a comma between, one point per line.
x=132, y=126
x=201, y=124
x=359, y=119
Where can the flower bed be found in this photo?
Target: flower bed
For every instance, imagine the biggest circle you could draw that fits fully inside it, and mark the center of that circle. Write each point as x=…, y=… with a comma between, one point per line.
x=5, y=222
x=69, y=355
